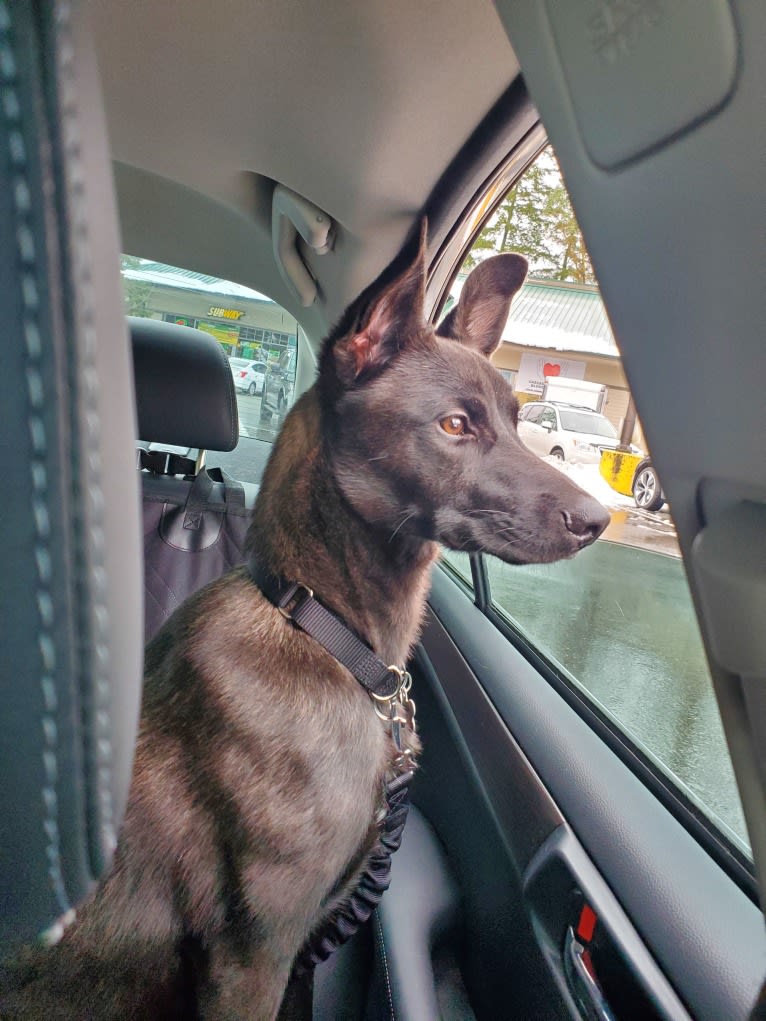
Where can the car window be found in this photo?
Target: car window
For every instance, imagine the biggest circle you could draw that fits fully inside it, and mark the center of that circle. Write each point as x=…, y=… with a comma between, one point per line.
x=533, y=413
x=581, y=422
x=548, y=417
x=615, y=625
x=259, y=338
x=460, y=564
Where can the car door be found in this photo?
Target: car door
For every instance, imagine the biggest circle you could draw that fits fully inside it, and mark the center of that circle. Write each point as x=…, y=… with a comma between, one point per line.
x=681, y=145
x=532, y=432
x=548, y=423
x=601, y=852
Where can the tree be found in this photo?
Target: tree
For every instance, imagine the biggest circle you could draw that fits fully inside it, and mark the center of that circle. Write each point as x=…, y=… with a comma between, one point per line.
x=137, y=293
x=573, y=261
x=536, y=219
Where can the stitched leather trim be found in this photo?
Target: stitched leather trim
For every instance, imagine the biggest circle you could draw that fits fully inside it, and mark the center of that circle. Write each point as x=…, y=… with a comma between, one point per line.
x=40, y=512
x=94, y=681
x=380, y=939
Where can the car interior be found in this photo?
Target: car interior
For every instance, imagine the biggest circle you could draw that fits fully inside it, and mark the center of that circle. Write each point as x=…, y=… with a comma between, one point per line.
x=554, y=864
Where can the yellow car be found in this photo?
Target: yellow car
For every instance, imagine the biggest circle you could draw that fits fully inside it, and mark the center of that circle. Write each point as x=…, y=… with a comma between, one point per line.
x=633, y=475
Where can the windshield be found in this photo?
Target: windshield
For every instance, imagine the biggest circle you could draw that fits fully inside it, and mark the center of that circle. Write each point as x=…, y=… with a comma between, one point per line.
x=579, y=422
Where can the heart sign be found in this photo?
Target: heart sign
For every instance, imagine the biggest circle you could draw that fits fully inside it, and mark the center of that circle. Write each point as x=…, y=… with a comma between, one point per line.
x=551, y=369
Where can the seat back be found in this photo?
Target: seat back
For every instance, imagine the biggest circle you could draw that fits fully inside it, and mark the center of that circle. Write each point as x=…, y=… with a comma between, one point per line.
x=195, y=519
x=70, y=589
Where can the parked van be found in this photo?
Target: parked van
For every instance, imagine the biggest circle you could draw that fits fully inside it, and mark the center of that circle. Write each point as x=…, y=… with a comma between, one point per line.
x=579, y=392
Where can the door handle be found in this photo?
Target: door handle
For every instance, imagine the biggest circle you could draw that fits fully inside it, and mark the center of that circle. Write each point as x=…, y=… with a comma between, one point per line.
x=582, y=981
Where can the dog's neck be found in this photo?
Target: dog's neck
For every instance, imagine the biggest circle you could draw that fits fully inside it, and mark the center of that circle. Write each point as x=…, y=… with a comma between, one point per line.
x=305, y=530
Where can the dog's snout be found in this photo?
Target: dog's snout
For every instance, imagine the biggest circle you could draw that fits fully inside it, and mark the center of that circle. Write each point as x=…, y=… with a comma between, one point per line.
x=587, y=520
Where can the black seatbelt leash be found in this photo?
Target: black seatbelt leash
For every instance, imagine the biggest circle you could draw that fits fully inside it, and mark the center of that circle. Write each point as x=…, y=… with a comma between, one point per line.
x=297, y=603
x=388, y=687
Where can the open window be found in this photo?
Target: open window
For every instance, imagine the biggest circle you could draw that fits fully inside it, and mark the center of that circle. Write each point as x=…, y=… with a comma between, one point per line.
x=615, y=627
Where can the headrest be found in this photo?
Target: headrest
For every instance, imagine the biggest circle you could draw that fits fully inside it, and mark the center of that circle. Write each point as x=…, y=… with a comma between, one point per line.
x=71, y=586
x=184, y=387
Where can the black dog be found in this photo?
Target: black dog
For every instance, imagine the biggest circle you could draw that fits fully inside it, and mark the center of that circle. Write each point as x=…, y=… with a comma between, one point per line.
x=261, y=761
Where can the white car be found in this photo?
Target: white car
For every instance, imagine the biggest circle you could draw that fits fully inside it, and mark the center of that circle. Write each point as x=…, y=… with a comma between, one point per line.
x=566, y=431
x=248, y=376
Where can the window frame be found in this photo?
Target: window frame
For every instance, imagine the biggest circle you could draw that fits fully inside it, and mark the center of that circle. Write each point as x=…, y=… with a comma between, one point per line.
x=550, y=414
x=535, y=413
x=442, y=272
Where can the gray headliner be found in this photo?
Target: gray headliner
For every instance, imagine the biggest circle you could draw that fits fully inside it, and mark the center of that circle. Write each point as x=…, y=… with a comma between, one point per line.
x=381, y=97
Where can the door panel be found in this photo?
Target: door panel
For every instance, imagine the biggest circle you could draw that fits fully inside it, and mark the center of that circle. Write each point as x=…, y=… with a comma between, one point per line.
x=501, y=965
x=676, y=236
x=494, y=730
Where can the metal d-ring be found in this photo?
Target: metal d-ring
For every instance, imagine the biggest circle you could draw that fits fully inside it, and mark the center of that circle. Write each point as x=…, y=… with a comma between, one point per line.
x=298, y=585
x=396, y=708
x=401, y=675
x=396, y=713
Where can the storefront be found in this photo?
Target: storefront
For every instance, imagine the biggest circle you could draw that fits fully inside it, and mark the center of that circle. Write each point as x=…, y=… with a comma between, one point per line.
x=561, y=329
x=245, y=323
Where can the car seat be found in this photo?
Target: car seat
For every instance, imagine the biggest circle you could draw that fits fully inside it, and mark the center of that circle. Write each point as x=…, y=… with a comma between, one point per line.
x=70, y=587
x=195, y=520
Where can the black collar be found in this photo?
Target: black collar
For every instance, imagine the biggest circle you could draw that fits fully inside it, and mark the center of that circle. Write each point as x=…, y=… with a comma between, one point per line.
x=297, y=603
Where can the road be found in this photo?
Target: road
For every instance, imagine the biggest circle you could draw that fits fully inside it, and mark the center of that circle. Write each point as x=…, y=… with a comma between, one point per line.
x=248, y=459
x=653, y=530
x=619, y=621
x=250, y=422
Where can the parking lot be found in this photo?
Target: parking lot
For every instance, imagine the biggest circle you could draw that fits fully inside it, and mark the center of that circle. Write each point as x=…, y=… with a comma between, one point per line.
x=248, y=459
x=629, y=524
x=250, y=423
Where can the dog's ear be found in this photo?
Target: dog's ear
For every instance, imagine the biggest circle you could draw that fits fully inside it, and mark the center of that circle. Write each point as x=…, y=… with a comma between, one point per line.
x=393, y=317
x=480, y=315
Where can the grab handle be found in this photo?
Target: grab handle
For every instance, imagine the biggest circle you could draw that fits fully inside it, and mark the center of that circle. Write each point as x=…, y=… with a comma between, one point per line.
x=291, y=216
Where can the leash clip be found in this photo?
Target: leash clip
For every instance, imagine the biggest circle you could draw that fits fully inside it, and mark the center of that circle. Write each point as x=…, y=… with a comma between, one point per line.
x=396, y=711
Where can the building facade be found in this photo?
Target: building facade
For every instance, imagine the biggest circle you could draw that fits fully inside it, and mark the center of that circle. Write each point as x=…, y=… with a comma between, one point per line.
x=245, y=323
x=562, y=329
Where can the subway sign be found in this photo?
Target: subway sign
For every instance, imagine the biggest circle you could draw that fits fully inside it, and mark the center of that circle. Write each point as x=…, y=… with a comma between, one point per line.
x=224, y=313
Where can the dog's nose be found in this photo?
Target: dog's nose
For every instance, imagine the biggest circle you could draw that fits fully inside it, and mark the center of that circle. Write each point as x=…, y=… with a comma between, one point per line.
x=587, y=520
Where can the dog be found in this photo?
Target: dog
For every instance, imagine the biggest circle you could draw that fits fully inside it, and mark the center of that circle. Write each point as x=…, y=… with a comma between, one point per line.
x=261, y=761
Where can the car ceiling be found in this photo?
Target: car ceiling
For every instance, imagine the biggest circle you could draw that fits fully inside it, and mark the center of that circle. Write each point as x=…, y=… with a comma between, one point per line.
x=357, y=107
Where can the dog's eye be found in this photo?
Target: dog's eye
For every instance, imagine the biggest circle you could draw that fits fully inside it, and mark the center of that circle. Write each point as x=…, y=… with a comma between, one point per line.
x=455, y=425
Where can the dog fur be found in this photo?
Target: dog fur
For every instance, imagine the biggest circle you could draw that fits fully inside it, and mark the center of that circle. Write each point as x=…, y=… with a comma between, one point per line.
x=260, y=762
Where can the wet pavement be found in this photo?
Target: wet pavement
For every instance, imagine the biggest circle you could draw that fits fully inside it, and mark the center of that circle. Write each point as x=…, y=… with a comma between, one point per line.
x=618, y=621
x=629, y=525
x=248, y=459
x=653, y=530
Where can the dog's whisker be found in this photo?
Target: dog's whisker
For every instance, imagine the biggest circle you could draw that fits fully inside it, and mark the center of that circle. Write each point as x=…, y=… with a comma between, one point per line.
x=485, y=510
x=404, y=521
